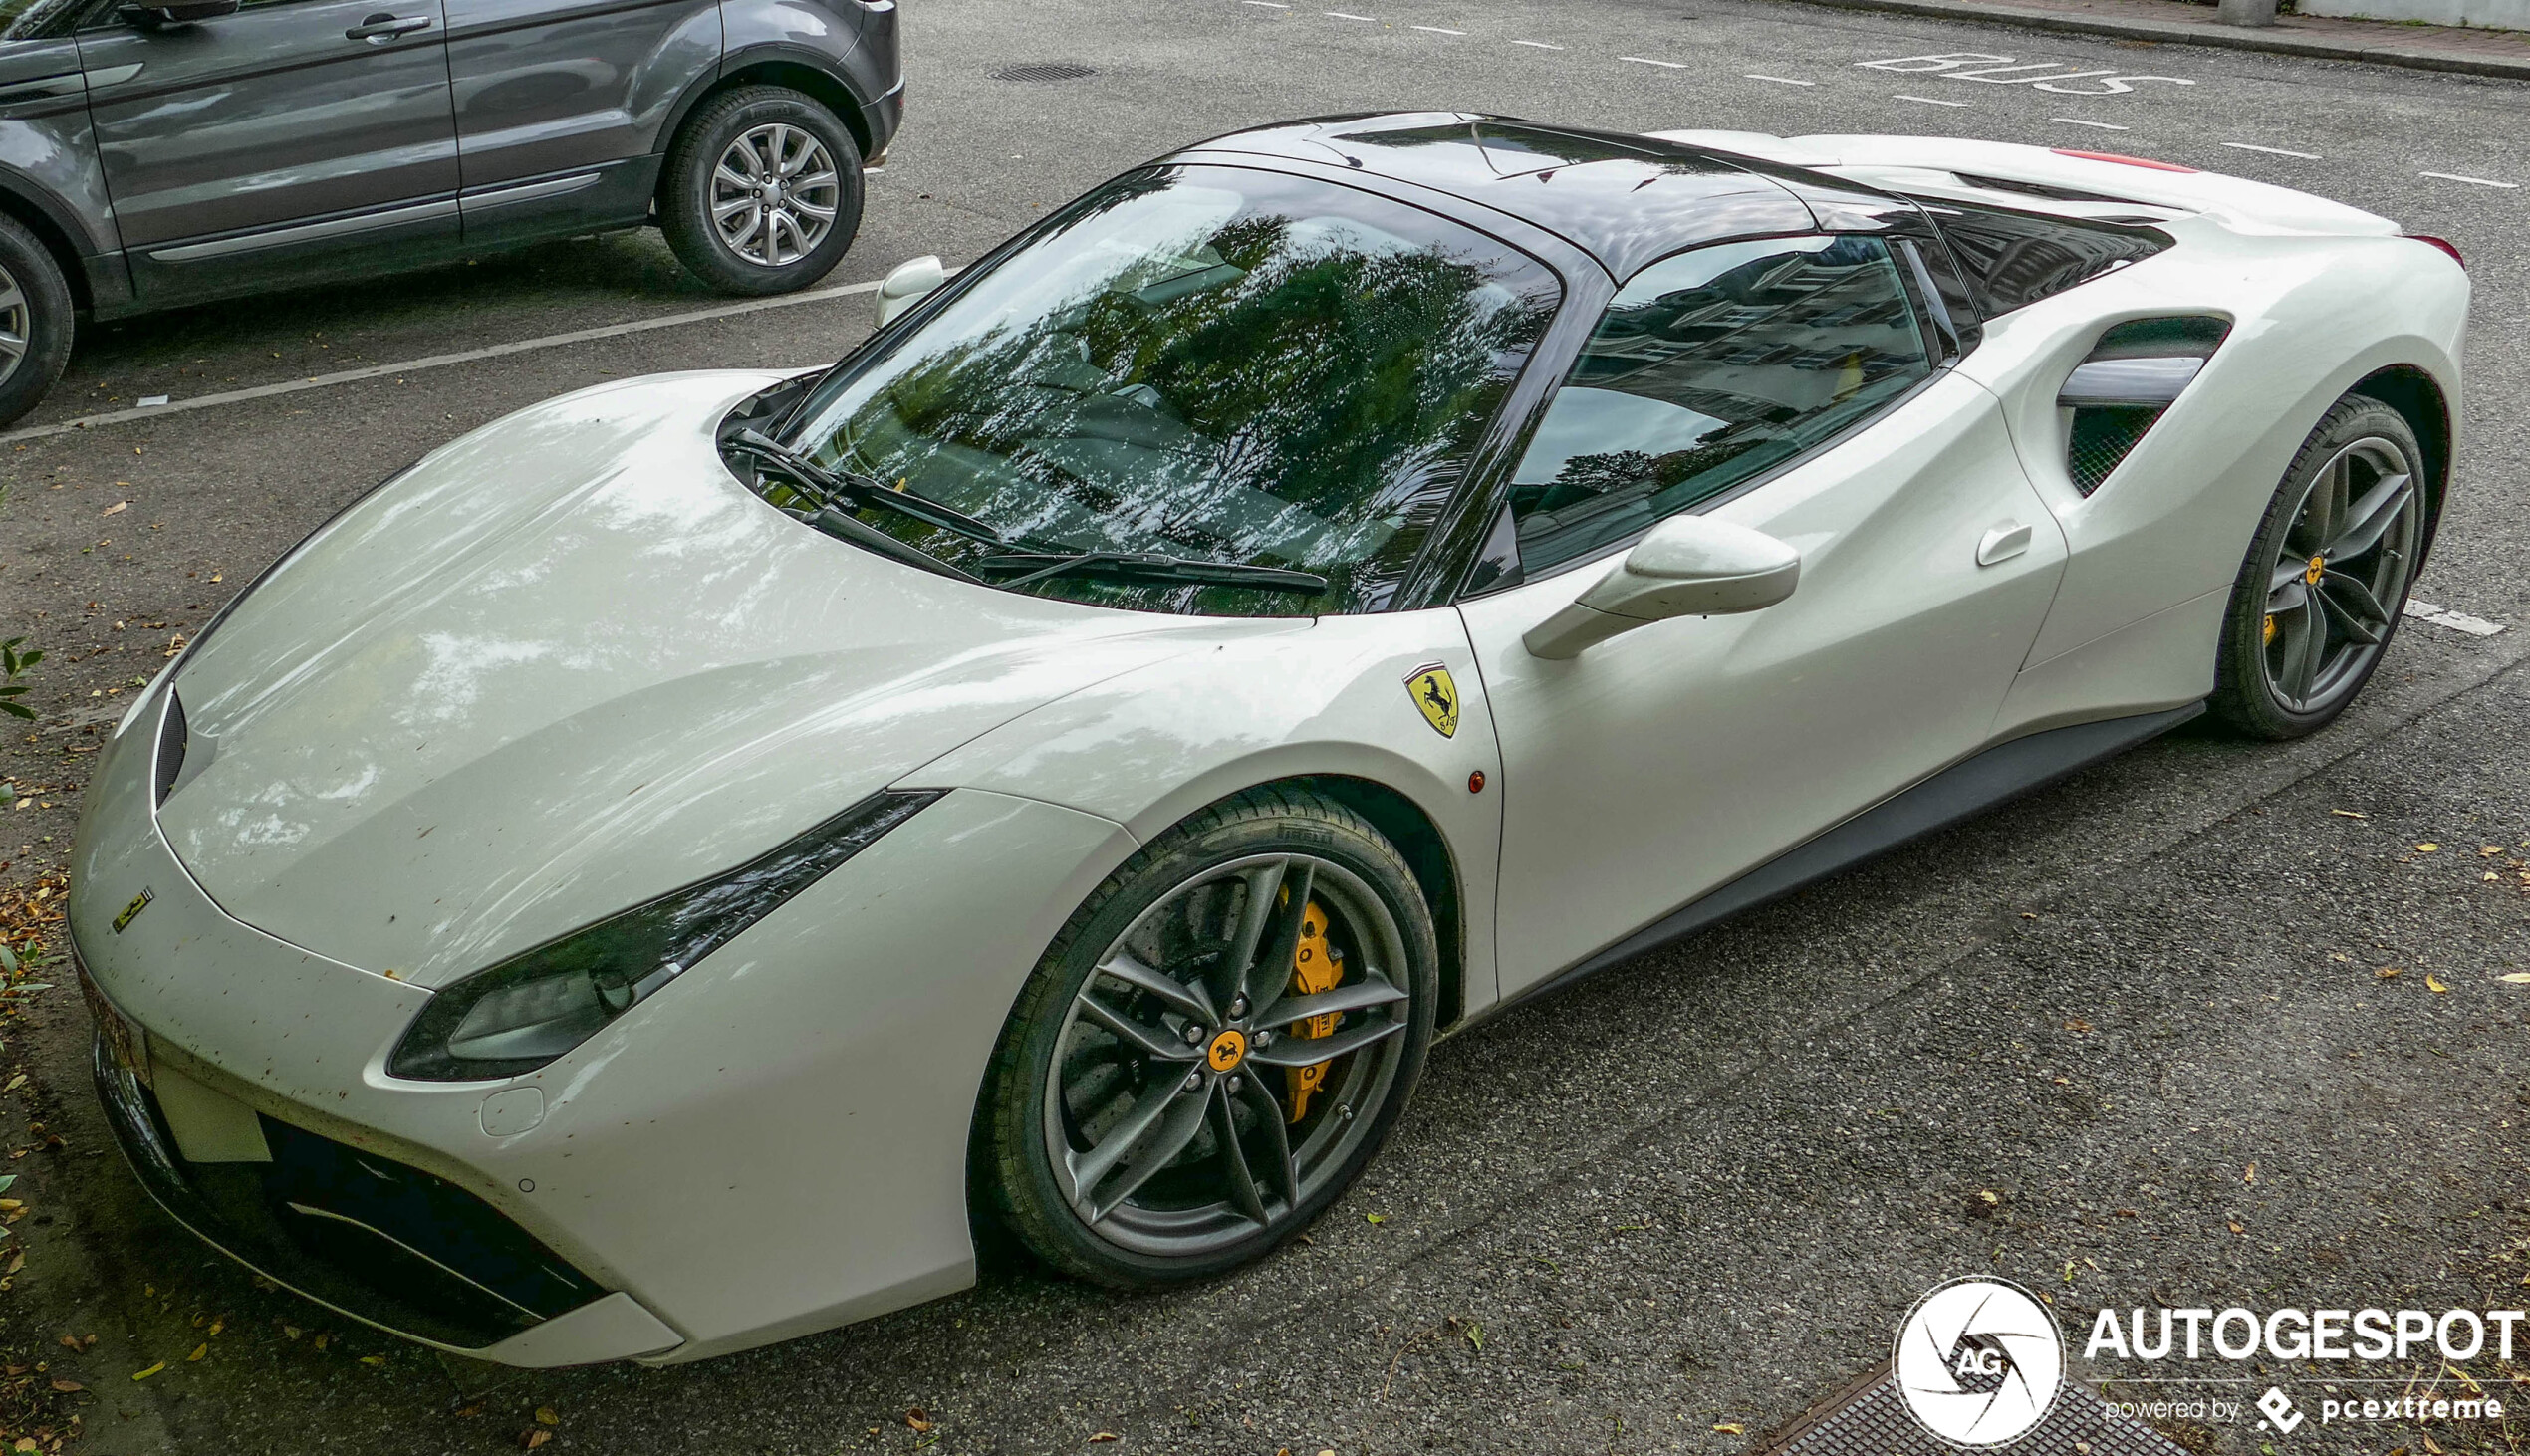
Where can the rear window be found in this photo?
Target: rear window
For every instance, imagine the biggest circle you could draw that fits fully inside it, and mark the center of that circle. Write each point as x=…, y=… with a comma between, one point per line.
x=2014, y=259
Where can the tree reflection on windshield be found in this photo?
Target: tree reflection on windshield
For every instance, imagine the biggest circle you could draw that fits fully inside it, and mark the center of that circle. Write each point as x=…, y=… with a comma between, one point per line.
x=1216, y=363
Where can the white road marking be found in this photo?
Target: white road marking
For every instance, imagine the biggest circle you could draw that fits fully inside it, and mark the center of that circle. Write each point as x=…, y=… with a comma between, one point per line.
x=2458, y=621
x=1268, y=4
x=1349, y=14
x=2103, y=126
x=2472, y=181
x=1441, y=30
x=2271, y=150
x=1777, y=79
x=1648, y=61
x=1541, y=44
x=438, y=360
x=1928, y=101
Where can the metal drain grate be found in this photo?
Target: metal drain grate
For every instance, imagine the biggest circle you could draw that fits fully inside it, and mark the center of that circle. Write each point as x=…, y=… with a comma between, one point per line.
x=1869, y=1418
x=1043, y=71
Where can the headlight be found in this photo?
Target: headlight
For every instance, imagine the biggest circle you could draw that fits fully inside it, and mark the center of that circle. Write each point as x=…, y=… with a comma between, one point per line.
x=532, y=1008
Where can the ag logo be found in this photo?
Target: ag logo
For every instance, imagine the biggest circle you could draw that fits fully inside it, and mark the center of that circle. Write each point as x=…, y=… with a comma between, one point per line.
x=139, y=903
x=1979, y=1362
x=1436, y=694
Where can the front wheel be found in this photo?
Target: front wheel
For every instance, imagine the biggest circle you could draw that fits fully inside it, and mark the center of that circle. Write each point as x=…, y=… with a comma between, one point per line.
x=35, y=321
x=2326, y=577
x=761, y=193
x=1215, y=1046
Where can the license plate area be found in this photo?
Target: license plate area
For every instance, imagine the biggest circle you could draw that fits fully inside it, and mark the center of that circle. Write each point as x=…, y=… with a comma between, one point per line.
x=125, y=1042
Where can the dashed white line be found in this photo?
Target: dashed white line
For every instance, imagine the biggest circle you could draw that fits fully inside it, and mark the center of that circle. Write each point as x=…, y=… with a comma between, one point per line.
x=1648, y=61
x=1541, y=44
x=2472, y=181
x=2458, y=621
x=1930, y=101
x=1267, y=4
x=2271, y=150
x=1777, y=79
x=440, y=360
x=1349, y=14
x=2103, y=126
x=1441, y=30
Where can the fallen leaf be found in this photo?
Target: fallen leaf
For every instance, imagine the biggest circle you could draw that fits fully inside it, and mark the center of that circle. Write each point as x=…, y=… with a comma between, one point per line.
x=532, y=1437
x=2433, y=985
x=918, y=1419
x=2430, y=1447
x=2490, y=849
x=67, y=1385
x=2077, y=1024
x=373, y=1359
x=2427, y=848
x=116, y=509
x=1727, y=1427
x=1376, y=1217
x=2250, y=1176
x=1989, y=1197
x=69, y=1342
x=1112, y=1436
x=2517, y=978
x=199, y=1351
x=153, y=1369
x=2387, y=973
x=2236, y=1228
x=15, y=1082
x=545, y=1416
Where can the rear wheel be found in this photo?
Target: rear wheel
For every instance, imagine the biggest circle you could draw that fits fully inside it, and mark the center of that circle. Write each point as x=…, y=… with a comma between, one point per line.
x=761, y=193
x=1215, y=1047
x=36, y=321
x=2321, y=593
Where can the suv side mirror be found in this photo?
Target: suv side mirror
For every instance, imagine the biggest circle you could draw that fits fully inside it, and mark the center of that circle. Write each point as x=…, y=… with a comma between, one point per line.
x=1689, y=565
x=910, y=284
x=177, y=12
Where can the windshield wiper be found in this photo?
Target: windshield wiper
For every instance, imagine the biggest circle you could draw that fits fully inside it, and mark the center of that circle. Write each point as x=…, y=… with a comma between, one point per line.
x=843, y=525
x=839, y=489
x=1150, y=566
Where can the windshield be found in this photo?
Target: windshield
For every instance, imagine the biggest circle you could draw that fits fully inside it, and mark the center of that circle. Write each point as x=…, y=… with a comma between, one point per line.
x=1207, y=363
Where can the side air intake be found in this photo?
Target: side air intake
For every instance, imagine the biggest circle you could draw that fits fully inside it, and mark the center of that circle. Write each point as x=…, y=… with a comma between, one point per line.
x=2119, y=392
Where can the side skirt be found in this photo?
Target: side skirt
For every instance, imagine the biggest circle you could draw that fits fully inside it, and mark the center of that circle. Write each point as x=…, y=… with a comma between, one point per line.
x=1961, y=792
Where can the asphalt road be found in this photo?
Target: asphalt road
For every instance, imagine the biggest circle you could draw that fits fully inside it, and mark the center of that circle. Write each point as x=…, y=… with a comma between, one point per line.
x=1699, y=1191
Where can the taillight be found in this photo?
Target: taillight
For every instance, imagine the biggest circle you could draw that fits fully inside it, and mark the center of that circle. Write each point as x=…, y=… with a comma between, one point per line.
x=2442, y=244
x=2133, y=161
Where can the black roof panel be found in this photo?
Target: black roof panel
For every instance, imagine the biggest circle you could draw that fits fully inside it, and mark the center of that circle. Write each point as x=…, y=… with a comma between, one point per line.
x=1629, y=200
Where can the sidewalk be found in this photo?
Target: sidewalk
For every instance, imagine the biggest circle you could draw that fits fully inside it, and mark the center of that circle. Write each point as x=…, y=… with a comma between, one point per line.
x=2476, y=52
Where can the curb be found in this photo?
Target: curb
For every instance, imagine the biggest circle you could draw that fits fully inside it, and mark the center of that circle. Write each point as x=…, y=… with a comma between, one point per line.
x=2282, y=43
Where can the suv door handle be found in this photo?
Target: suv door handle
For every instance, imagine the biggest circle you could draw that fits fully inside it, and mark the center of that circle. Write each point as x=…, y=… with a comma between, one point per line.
x=385, y=27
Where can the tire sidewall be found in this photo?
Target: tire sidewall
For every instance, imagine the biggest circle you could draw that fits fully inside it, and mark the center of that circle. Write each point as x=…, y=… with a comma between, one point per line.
x=1024, y=1182
x=685, y=210
x=2243, y=697
x=51, y=321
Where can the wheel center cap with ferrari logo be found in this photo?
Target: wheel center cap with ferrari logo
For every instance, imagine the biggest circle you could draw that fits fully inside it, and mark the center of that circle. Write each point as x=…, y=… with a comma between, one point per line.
x=1227, y=1050
x=2317, y=569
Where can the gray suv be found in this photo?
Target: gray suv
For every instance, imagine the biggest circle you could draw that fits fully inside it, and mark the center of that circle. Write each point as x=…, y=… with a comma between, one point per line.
x=167, y=153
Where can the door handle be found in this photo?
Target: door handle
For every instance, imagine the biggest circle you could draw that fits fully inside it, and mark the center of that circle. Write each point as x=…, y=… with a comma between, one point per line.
x=2002, y=544
x=384, y=27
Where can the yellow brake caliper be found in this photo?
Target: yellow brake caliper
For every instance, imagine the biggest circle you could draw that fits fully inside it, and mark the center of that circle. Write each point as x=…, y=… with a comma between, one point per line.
x=1315, y=968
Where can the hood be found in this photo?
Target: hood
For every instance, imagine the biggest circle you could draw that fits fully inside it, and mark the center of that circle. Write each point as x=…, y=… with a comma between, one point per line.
x=567, y=664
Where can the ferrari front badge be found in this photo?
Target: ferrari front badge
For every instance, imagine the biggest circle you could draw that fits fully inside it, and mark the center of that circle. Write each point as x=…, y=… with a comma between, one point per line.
x=1436, y=694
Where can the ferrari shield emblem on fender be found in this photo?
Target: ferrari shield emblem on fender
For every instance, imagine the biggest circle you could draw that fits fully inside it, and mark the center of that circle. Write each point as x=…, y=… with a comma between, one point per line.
x=1436, y=694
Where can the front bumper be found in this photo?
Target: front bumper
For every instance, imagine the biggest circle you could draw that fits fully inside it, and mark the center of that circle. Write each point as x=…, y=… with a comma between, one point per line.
x=772, y=1145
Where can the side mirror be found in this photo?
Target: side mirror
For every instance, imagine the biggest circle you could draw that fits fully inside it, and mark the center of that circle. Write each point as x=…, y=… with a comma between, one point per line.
x=908, y=285
x=1689, y=565
x=178, y=12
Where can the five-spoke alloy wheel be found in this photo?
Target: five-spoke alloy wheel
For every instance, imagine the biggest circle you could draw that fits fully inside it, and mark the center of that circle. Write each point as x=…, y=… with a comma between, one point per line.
x=2328, y=576
x=1215, y=1047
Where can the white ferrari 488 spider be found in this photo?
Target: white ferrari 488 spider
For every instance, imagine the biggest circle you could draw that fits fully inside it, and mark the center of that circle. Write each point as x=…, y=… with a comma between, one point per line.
x=651, y=876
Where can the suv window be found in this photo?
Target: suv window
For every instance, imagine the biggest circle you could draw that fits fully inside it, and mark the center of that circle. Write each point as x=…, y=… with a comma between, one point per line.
x=1708, y=368
x=1235, y=365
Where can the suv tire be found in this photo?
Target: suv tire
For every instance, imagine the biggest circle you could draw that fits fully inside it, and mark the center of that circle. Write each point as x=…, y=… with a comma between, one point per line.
x=783, y=176
x=36, y=321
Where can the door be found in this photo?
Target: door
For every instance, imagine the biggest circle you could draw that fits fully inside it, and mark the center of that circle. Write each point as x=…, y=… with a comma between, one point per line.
x=1661, y=764
x=560, y=105
x=265, y=145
